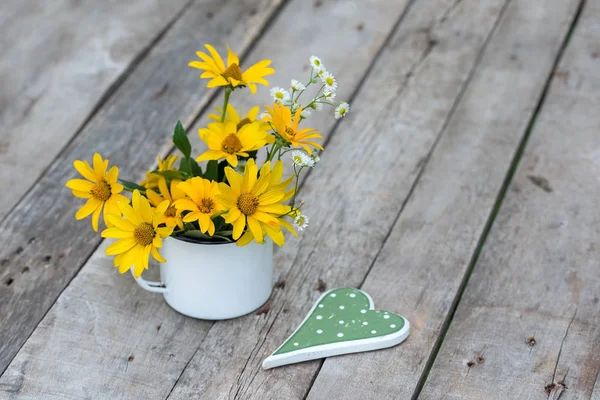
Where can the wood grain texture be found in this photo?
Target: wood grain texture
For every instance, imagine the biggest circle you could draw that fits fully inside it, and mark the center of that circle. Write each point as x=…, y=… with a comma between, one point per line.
x=397, y=115
x=529, y=316
x=84, y=373
x=421, y=267
x=43, y=245
x=59, y=59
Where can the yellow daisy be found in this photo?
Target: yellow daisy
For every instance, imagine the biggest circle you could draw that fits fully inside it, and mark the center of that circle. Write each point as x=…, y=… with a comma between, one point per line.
x=151, y=181
x=101, y=189
x=172, y=216
x=234, y=116
x=254, y=202
x=221, y=75
x=287, y=127
x=225, y=140
x=138, y=234
x=201, y=203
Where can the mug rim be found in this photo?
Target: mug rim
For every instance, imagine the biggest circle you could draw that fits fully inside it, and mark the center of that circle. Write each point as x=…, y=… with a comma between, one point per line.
x=199, y=241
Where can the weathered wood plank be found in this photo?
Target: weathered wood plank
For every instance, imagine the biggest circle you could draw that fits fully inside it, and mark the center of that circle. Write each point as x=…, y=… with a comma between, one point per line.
x=90, y=360
x=530, y=309
x=59, y=60
x=397, y=115
x=421, y=267
x=43, y=245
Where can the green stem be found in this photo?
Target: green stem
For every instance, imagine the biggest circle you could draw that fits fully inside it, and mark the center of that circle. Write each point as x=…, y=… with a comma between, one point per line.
x=225, y=102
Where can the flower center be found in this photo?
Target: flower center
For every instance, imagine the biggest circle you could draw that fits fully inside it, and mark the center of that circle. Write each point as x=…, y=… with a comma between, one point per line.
x=233, y=71
x=247, y=203
x=171, y=212
x=243, y=122
x=101, y=191
x=144, y=234
x=231, y=144
x=290, y=132
x=206, y=205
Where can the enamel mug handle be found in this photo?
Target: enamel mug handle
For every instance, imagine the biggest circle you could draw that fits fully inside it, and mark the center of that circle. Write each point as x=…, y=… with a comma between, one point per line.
x=150, y=286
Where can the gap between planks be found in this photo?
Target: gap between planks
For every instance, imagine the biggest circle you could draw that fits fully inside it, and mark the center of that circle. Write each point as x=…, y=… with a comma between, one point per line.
x=497, y=205
x=103, y=99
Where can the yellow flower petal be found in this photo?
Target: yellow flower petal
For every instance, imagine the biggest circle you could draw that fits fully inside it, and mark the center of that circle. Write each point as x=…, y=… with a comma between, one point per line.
x=120, y=246
x=89, y=207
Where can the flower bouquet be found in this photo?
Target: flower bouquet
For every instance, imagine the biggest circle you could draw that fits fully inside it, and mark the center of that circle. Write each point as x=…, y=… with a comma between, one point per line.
x=224, y=197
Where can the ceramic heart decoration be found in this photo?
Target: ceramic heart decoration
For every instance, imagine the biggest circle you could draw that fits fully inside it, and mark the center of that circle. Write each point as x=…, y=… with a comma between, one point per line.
x=342, y=321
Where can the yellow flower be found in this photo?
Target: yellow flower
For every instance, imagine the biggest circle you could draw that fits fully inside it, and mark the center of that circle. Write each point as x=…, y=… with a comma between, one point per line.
x=234, y=116
x=151, y=181
x=281, y=118
x=201, y=203
x=172, y=216
x=255, y=202
x=219, y=75
x=138, y=234
x=101, y=189
x=229, y=140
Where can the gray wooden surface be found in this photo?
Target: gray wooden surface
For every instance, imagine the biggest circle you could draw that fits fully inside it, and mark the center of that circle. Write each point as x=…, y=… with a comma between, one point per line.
x=538, y=273
x=60, y=59
x=411, y=185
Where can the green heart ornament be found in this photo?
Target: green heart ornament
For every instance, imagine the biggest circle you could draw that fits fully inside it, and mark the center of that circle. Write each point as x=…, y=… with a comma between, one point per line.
x=342, y=321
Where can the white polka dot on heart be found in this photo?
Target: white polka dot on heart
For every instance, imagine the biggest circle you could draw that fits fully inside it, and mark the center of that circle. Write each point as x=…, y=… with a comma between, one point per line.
x=373, y=332
x=340, y=335
x=296, y=344
x=365, y=323
x=386, y=316
x=363, y=311
x=332, y=294
x=392, y=325
x=341, y=322
x=352, y=295
x=342, y=307
x=319, y=331
x=319, y=317
x=320, y=305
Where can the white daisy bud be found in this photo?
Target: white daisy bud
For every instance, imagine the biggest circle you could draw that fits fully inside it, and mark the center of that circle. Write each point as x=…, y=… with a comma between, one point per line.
x=329, y=95
x=302, y=159
x=301, y=222
x=297, y=85
x=316, y=63
x=264, y=115
x=342, y=110
x=329, y=81
x=280, y=95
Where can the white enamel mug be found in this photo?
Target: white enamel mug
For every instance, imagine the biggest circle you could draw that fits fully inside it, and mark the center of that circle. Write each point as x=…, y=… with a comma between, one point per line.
x=214, y=280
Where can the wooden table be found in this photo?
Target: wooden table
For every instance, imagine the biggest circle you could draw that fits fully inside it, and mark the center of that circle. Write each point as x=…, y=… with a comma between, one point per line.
x=462, y=192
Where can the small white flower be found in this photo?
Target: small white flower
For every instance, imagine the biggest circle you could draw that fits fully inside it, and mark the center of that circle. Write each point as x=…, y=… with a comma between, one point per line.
x=315, y=156
x=329, y=95
x=319, y=71
x=280, y=94
x=301, y=222
x=264, y=115
x=342, y=110
x=297, y=85
x=306, y=112
x=302, y=159
x=315, y=105
x=329, y=81
x=316, y=63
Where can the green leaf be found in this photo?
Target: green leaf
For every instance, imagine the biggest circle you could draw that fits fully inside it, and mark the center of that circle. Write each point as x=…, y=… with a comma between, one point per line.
x=196, y=234
x=184, y=167
x=181, y=140
x=212, y=171
x=196, y=169
x=131, y=186
x=221, y=170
